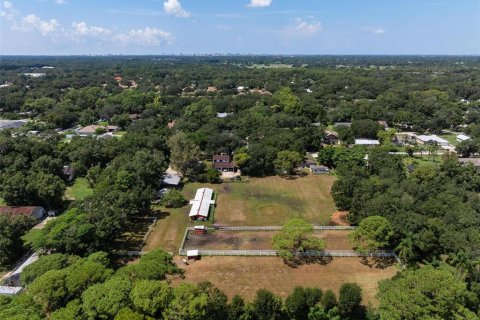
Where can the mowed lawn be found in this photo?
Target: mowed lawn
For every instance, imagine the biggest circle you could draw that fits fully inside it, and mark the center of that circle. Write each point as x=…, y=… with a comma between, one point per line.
x=275, y=200
x=260, y=202
x=245, y=275
x=78, y=190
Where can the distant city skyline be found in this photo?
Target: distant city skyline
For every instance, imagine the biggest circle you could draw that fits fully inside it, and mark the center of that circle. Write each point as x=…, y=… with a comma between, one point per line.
x=288, y=27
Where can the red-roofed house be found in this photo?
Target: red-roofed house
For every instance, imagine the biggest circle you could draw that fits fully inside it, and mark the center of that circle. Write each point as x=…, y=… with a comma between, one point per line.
x=31, y=212
x=222, y=162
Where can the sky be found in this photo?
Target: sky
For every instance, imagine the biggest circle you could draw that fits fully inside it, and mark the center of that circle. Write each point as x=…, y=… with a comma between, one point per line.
x=74, y=27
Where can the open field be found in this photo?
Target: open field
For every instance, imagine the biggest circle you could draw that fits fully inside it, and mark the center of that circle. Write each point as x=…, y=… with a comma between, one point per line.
x=258, y=240
x=78, y=190
x=275, y=200
x=260, y=202
x=245, y=275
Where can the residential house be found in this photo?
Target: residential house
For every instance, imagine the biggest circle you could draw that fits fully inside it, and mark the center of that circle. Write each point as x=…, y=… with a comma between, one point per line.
x=223, y=162
x=345, y=124
x=366, y=142
x=431, y=139
x=171, y=180
x=11, y=124
x=474, y=161
x=331, y=137
x=92, y=129
x=34, y=212
x=462, y=137
x=319, y=169
x=68, y=173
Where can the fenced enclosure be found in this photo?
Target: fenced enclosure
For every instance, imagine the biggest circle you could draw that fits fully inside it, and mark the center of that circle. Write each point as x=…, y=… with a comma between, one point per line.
x=274, y=253
x=278, y=228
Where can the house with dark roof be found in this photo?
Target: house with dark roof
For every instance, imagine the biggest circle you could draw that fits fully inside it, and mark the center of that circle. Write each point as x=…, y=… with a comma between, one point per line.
x=319, y=169
x=223, y=162
x=68, y=173
x=36, y=213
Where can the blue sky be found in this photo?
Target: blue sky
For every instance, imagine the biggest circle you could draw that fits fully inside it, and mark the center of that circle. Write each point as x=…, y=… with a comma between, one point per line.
x=240, y=26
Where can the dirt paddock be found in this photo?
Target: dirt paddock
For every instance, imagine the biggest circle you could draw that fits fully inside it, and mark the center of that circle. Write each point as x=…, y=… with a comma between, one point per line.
x=258, y=240
x=245, y=275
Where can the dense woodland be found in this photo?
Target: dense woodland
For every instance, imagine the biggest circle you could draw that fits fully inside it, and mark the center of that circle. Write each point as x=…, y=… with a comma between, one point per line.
x=430, y=216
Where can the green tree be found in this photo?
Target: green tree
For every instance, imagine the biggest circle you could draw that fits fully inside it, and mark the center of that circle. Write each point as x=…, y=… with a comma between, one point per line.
x=373, y=233
x=405, y=249
x=188, y=303
x=151, y=297
x=296, y=236
x=236, y=308
x=267, y=306
x=12, y=228
x=49, y=290
x=54, y=261
x=287, y=101
x=299, y=302
x=424, y=293
x=287, y=161
x=103, y=301
x=349, y=298
x=183, y=152
x=319, y=312
x=329, y=300
x=174, y=199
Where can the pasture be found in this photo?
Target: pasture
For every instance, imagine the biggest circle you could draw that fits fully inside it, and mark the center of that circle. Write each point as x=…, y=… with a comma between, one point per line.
x=260, y=202
x=245, y=275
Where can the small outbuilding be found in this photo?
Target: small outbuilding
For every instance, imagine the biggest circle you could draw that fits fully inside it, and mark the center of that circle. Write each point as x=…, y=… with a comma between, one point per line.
x=193, y=255
x=367, y=142
x=200, y=230
x=171, y=180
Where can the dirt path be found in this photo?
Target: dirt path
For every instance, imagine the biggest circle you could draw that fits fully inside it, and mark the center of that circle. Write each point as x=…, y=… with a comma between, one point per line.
x=339, y=218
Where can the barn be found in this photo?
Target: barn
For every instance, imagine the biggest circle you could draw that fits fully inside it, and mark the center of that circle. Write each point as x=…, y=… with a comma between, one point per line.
x=201, y=204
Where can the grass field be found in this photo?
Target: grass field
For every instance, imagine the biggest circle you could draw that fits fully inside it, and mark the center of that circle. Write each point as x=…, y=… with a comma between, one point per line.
x=262, y=201
x=275, y=200
x=258, y=240
x=2, y=202
x=245, y=275
x=78, y=190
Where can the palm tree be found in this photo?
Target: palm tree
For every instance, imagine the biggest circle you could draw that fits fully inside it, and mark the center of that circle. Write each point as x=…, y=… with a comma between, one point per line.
x=405, y=248
x=462, y=262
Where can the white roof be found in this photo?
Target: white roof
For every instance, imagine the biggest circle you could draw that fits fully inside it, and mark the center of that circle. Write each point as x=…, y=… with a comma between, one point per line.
x=199, y=227
x=369, y=142
x=171, y=179
x=201, y=203
x=192, y=253
x=463, y=137
x=4, y=290
x=29, y=261
x=9, y=124
x=432, y=137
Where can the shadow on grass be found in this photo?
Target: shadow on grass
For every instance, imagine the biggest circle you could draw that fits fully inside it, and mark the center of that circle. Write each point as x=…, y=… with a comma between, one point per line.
x=378, y=262
x=300, y=261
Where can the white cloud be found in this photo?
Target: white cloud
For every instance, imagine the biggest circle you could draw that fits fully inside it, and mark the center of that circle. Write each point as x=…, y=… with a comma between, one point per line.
x=375, y=30
x=146, y=37
x=174, y=8
x=32, y=22
x=303, y=28
x=82, y=29
x=259, y=3
x=7, y=5
x=60, y=1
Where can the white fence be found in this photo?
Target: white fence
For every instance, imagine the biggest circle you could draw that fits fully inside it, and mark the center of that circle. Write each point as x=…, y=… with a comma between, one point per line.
x=278, y=228
x=325, y=253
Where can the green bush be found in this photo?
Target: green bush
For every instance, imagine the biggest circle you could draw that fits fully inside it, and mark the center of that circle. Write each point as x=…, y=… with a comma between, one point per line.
x=174, y=199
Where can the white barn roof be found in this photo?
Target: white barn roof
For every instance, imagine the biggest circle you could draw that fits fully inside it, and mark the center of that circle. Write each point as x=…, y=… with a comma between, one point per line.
x=367, y=142
x=201, y=203
x=462, y=137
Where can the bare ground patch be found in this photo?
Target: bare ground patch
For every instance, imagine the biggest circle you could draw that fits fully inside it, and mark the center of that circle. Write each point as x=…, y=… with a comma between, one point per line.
x=245, y=275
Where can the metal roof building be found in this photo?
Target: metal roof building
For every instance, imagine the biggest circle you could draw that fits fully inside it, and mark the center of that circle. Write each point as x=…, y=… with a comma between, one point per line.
x=201, y=204
x=366, y=142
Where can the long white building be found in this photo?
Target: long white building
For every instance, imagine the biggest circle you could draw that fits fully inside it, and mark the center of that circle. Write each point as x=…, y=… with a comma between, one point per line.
x=201, y=204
